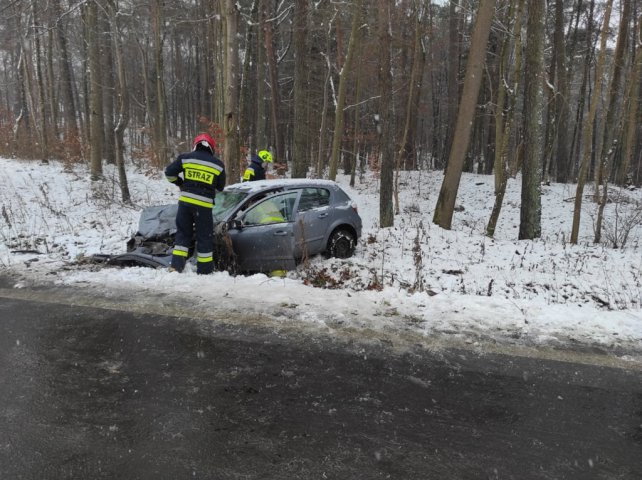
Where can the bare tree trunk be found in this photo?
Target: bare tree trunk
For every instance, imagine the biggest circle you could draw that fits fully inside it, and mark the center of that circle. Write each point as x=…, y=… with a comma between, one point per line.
x=300, y=153
x=453, y=78
x=531, y=209
x=502, y=137
x=231, y=153
x=588, y=125
x=324, y=114
x=43, y=126
x=386, y=212
x=261, y=115
x=417, y=65
x=561, y=98
x=51, y=90
x=357, y=133
x=268, y=31
x=109, y=147
x=634, y=82
x=343, y=80
x=472, y=82
x=579, y=115
x=122, y=93
x=247, y=97
x=608, y=144
x=158, y=21
x=95, y=94
x=66, y=85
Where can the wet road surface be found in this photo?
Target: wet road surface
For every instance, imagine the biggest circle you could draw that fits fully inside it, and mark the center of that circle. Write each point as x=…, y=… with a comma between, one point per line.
x=91, y=393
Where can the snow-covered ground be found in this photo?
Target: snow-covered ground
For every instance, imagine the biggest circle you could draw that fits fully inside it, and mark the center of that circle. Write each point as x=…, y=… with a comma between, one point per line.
x=414, y=278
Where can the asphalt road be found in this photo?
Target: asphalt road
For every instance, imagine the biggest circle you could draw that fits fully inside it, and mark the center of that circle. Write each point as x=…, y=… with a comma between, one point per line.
x=88, y=393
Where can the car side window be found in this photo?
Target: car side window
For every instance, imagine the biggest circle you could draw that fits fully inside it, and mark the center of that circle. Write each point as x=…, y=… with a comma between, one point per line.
x=274, y=209
x=313, y=198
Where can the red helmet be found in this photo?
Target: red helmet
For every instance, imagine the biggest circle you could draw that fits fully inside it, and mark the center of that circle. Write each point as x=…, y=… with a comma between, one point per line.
x=205, y=140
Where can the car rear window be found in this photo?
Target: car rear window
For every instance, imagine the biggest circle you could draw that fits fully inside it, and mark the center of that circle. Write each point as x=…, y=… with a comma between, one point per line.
x=314, y=198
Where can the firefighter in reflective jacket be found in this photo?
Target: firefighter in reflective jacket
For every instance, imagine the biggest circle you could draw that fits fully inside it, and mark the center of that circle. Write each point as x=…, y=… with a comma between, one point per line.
x=257, y=166
x=199, y=174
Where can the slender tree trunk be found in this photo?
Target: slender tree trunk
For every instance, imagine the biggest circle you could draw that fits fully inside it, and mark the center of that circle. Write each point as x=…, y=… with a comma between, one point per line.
x=66, y=85
x=95, y=93
x=531, y=208
x=277, y=135
x=107, y=55
x=231, y=154
x=261, y=114
x=576, y=140
x=386, y=213
x=561, y=97
x=158, y=17
x=414, y=80
x=503, y=135
x=608, y=144
x=324, y=115
x=43, y=127
x=122, y=98
x=453, y=78
x=51, y=90
x=247, y=97
x=343, y=80
x=357, y=129
x=476, y=57
x=635, y=83
x=300, y=153
x=588, y=125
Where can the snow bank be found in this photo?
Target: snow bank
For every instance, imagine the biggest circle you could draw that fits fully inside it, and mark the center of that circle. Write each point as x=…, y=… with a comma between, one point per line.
x=414, y=277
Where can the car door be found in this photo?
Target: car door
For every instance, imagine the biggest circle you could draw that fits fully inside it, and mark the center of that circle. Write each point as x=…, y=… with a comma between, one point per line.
x=264, y=240
x=311, y=222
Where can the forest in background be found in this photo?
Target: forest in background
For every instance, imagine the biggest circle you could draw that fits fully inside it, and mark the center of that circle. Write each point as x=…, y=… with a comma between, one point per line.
x=549, y=89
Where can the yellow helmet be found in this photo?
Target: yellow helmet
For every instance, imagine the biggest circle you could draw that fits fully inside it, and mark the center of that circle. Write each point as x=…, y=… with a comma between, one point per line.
x=265, y=156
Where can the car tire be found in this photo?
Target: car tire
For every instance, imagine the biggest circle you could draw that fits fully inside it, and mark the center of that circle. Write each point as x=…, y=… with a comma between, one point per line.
x=341, y=244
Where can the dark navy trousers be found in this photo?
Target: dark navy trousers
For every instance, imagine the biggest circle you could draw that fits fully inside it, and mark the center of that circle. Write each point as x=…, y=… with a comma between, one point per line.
x=194, y=222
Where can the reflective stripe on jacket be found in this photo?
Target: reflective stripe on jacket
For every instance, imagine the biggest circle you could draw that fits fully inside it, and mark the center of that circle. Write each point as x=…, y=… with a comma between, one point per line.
x=202, y=175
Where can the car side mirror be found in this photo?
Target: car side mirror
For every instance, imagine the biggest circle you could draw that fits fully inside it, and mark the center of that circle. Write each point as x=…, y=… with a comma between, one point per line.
x=237, y=223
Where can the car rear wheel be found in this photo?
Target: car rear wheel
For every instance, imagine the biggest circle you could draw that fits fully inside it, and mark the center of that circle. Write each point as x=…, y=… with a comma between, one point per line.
x=341, y=244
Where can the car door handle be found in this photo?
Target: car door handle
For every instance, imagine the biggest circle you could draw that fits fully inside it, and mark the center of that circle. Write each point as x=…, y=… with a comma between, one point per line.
x=323, y=215
x=280, y=233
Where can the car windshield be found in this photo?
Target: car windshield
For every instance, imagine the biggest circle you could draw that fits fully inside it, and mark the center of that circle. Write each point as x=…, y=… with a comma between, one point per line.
x=226, y=201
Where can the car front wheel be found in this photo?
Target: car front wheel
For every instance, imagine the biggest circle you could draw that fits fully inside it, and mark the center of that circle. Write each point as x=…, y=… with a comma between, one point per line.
x=341, y=244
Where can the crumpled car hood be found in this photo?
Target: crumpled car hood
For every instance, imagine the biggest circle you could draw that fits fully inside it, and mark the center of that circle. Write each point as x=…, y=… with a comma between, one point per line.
x=158, y=221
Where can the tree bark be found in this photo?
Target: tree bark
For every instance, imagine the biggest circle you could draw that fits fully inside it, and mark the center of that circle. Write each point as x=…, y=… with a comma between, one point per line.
x=609, y=144
x=531, y=208
x=413, y=85
x=122, y=96
x=588, y=125
x=43, y=127
x=476, y=57
x=268, y=32
x=343, y=80
x=503, y=134
x=635, y=83
x=66, y=82
x=158, y=20
x=300, y=152
x=561, y=97
x=386, y=213
x=231, y=152
x=95, y=94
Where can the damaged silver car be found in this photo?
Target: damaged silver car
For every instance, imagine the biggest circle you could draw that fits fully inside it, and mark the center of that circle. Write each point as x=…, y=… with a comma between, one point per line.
x=259, y=227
